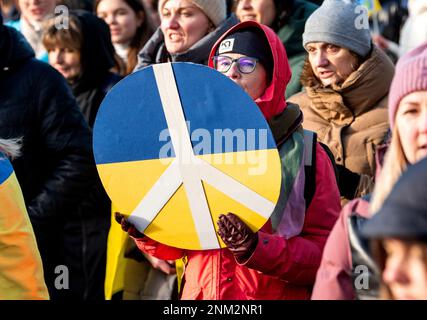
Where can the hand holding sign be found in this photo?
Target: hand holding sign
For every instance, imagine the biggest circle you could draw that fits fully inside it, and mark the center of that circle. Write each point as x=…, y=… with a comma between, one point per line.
x=237, y=236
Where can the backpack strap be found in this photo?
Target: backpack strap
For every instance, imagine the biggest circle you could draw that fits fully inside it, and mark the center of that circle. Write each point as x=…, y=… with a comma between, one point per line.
x=310, y=140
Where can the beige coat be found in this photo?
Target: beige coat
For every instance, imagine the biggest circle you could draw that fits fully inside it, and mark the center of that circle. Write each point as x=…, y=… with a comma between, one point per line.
x=352, y=118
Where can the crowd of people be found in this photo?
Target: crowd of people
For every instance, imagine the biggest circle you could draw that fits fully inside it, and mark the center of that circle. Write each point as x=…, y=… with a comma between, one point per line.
x=340, y=85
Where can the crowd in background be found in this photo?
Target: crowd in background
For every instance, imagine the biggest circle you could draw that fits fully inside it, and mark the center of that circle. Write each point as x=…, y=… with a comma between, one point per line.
x=361, y=91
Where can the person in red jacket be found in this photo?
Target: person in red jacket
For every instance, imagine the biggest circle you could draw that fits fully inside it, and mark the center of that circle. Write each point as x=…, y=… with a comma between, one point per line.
x=281, y=259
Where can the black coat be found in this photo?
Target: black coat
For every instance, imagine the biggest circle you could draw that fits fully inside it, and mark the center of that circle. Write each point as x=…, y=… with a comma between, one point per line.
x=86, y=250
x=56, y=169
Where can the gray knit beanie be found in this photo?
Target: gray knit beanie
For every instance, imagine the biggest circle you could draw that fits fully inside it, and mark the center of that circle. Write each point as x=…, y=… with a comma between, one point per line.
x=339, y=22
x=215, y=10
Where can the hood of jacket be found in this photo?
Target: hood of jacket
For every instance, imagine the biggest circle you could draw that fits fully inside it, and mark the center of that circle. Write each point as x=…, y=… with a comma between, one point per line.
x=97, y=53
x=272, y=101
x=291, y=33
x=13, y=48
x=362, y=90
x=155, y=51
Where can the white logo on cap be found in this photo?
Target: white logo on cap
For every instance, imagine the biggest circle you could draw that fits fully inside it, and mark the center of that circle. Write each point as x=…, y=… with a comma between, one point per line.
x=226, y=46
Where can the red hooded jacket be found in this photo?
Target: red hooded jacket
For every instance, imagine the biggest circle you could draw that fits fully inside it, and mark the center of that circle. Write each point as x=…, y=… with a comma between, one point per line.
x=279, y=268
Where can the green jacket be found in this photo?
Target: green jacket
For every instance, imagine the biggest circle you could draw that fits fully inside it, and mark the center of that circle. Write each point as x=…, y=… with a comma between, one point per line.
x=291, y=36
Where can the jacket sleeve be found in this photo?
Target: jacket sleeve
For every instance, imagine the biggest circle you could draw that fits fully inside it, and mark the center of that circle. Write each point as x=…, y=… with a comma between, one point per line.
x=297, y=259
x=333, y=280
x=158, y=250
x=66, y=143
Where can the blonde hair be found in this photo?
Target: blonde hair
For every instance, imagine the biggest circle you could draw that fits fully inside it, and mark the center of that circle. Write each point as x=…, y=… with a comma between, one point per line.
x=11, y=147
x=395, y=163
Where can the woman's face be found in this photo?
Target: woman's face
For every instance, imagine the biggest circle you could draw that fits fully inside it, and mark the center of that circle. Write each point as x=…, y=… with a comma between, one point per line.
x=183, y=24
x=331, y=64
x=253, y=83
x=405, y=271
x=66, y=61
x=411, y=123
x=262, y=11
x=121, y=19
x=36, y=10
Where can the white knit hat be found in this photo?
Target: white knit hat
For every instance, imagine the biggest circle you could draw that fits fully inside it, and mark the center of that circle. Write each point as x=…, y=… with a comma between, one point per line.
x=215, y=10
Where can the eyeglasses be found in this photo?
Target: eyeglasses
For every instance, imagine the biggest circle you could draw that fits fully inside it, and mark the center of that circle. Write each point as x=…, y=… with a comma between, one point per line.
x=244, y=64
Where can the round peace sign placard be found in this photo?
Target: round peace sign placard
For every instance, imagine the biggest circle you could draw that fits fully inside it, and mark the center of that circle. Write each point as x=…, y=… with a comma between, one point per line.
x=176, y=145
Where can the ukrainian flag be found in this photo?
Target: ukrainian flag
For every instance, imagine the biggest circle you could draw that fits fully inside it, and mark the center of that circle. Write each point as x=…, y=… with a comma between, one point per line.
x=21, y=271
x=143, y=168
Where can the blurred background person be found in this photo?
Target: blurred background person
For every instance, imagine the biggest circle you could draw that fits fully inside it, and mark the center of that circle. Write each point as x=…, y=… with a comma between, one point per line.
x=398, y=234
x=21, y=269
x=129, y=27
x=414, y=30
x=84, y=55
x=151, y=8
x=390, y=19
x=77, y=4
x=346, y=80
x=408, y=121
x=403, y=26
x=30, y=23
x=9, y=11
x=287, y=19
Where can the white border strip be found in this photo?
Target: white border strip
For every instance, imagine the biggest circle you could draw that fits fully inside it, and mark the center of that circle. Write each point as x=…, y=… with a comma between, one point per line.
x=157, y=197
x=183, y=149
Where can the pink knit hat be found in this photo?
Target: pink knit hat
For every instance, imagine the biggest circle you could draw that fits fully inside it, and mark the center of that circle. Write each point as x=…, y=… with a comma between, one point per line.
x=410, y=76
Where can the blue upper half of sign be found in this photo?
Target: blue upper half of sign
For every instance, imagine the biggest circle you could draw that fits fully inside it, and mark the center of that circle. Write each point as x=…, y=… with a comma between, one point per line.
x=6, y=168
x=220, y=117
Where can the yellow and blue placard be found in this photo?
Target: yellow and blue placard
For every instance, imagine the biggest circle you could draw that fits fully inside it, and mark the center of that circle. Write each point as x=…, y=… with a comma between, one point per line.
x=176, y=145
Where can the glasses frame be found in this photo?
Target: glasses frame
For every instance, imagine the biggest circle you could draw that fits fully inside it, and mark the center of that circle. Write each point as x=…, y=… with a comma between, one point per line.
x=233, y=61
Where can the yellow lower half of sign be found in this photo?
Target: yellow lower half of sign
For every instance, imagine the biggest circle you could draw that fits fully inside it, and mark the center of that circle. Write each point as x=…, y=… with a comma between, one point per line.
x=128, y=182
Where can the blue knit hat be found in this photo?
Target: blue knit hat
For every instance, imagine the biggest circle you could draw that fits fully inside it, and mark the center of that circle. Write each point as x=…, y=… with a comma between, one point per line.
x=342, y=23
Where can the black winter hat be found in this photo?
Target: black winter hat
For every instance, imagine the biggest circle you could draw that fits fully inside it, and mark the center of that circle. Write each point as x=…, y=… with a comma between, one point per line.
x=250, y=42
x=404, y=212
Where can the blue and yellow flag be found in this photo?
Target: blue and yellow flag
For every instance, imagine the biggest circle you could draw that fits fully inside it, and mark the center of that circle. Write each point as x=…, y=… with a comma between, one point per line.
x=21, y=271
x=373, y=6
x=176, y=145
